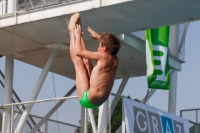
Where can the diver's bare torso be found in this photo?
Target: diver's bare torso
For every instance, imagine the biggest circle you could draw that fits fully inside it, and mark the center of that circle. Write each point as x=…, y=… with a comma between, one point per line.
x=102, y=79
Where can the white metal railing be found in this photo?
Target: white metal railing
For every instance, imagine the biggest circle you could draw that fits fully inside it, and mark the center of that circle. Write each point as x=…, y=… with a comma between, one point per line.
x=69, y=125
x=3, y=7
x=15, y=111
x=13, y=6
x=37, y=101
x=192, y=115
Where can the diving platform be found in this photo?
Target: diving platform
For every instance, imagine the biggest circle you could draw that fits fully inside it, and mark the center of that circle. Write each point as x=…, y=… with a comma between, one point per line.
x=31, y=27
x=36, y=32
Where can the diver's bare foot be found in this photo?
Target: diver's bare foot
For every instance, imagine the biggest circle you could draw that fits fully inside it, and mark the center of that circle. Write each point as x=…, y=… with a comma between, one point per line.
x=75, y=19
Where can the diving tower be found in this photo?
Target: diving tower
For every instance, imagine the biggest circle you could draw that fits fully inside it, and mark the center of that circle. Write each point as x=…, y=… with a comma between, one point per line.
x=31, y=31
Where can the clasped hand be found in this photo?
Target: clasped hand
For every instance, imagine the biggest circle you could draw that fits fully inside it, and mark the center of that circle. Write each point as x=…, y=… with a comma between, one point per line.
x=78, y=32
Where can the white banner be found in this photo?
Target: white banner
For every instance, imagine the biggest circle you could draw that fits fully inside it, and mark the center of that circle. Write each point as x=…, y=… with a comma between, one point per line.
x=141, y=118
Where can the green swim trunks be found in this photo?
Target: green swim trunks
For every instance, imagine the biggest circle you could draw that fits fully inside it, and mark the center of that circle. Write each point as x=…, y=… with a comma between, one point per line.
x=85, y=102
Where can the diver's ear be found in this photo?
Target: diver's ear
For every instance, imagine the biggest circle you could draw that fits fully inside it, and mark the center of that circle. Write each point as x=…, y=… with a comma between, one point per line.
x=104, y=48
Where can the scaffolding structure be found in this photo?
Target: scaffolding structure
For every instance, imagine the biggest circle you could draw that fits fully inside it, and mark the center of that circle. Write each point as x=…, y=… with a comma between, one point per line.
x=29, y=13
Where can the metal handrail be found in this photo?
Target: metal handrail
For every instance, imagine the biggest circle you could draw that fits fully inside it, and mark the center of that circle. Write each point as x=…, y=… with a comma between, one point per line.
x=19, y=100
x=52, y=120
x=38, y=101
x=46, y=4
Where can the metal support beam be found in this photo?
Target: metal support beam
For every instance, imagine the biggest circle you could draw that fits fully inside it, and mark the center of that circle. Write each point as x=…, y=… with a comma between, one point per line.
x=139, y=44
x=8, y=92
x=172, y=92
x=46, y=117
x=174, y=40
x=183, y=37
x=37, y=89
x=174, y=37
x=103, y=117
x=119, y=92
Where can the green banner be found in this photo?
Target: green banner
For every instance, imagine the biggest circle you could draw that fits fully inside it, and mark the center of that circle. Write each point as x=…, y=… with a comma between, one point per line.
x=157, y=58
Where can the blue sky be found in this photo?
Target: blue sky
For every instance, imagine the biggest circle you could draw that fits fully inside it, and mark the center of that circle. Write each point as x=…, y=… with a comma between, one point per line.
x=188, y=92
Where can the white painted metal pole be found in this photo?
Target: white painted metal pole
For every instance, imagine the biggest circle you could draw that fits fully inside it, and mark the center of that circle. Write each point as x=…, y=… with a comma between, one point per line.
x=11, y=6
x=103, y=117
x=37, y=89
x=172, y=92
x=4, y=6
x=123, y=120
x=82, y=119
x=92, y=120
x=86, y=121
x=12, y=119
x=1, y=8
x=174, y=37
x=109, y=114
x=16, y=6
x=174, y=40
x=46, y=126
x=8, y=92
x=119, y=92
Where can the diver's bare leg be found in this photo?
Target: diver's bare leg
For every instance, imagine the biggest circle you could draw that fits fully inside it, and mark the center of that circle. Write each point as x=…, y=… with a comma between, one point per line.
x=87, y=62
x=82, y=78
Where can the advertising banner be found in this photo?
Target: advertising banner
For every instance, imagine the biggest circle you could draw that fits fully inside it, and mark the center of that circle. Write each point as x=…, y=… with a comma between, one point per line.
x=157, y=58
x=141, y=118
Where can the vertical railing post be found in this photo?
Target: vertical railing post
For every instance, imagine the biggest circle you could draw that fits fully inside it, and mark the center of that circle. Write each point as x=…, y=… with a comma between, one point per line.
x=92, y=120
x=16, y=5
x=196, y=126
x=1, y=8
x=12, y=119
x=86, y=121
x=46, y=126
x=123, y=119
x=103, y=117
x=4, y=6
x=82, y=119
x=109, y=113
x=11, y=6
